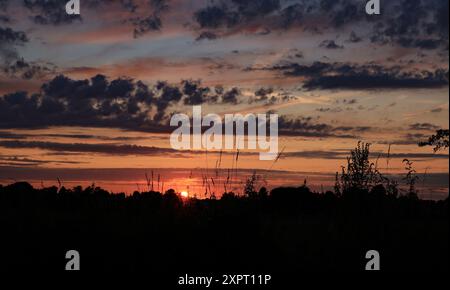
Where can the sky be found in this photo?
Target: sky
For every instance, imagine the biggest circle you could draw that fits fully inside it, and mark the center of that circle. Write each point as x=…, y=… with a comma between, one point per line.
x=90, y=97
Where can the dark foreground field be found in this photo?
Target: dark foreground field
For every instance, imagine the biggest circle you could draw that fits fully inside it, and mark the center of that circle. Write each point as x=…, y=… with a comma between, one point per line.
x=288, y=229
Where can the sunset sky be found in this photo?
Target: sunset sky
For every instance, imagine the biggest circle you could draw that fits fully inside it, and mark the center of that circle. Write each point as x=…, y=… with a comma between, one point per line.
x=89, y=98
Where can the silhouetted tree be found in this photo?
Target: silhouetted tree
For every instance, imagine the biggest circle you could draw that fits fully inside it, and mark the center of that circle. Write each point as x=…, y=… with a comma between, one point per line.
x=262, y=193
x=440, y=140
x=249, y=188
x=171, y=199
x=360, y=173
x=155, y=232
x=228, y=196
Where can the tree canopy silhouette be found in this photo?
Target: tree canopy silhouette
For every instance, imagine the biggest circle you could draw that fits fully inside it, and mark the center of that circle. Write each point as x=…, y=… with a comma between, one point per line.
x=439, y=141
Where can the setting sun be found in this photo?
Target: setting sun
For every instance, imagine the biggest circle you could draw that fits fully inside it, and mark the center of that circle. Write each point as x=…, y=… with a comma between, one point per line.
x=184, y=194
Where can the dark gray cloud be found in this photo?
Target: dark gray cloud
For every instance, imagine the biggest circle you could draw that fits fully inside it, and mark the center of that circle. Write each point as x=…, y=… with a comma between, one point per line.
x=9, y=36
x=274, y=14
x=344, y=154
x=413, y=22
x=145, y=16
x=46, y=12
x=9, y=135
x=423, y=127
x=123, y=150
x=309, y=127
x=29, y=70
x=196, y=94
x=329, y=110
x=4, y=19
x=145, y=24
x=206, y=35
x=4, y=3
x=426, y=44
x=437, y=110
x=408, y=139
x=234, y=12
x=330, y=44
x=213, y=17
x=110, y=149
x=20, y=136
x=420, y=24
x=263, y=95
x=120, y=103
x=354, y=38
x=11, y=63
x=230, y=97
x=320, y=75
x=26, y=161
x=9, y=40
x=357, y=129
x=132, y=105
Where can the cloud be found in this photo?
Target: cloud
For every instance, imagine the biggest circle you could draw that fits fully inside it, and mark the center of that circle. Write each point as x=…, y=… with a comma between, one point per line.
x=237, y=13
x=437, y=110
x=46, y=12
x=9, y=40
x=347, y=12
x=408, y=139
x=423, y=127
x=423, y=23
x=411, y=23
x=4, y=19
x=343, y=154
x=354, y=38
x=206, y=35
x=320, y=75
x=307, y=127
x=9, y=36
x=426, y=44
x=4, y=3
x=120, y=103
x=330, y=44
x=143, y=15
x=29, y=70
x=146, y=24
x=124, y=150
x=362, y=80
x=9, y=135
x=21, y=136
x=213, y=17
x=234, y=12
x=230, y=97
x=132, y=105
x=12, y=64
x=110, y=149
x=25, y=161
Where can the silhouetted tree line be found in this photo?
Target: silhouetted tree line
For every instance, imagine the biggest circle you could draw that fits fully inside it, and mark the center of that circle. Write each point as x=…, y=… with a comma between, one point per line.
x=285, y=229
